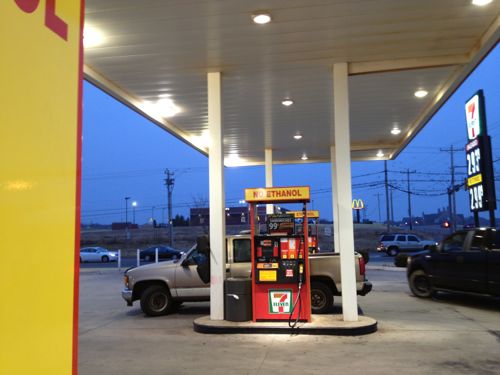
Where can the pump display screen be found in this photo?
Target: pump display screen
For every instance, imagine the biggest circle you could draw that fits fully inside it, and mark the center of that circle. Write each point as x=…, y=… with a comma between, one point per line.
x=279, y=259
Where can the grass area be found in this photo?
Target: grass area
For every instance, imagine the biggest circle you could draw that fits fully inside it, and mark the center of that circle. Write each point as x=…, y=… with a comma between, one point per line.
x=366, y=236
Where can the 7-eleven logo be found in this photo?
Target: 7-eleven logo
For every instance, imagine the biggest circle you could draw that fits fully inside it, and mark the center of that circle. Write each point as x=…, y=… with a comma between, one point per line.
x=280, y=301
x=472, y=116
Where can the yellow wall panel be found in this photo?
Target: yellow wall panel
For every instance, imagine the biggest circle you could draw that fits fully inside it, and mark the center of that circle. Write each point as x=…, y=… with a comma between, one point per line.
x=40, y=95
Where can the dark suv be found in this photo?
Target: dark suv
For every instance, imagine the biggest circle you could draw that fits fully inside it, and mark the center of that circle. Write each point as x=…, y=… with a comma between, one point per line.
x=466, y=261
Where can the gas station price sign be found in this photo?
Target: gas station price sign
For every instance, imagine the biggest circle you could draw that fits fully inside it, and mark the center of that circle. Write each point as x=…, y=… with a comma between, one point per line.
x=475, y=180
x=480, y=182
x=281, y=223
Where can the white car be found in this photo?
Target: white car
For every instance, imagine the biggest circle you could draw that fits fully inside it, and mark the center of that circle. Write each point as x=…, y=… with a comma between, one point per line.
x=394, y=243
x=97, y=254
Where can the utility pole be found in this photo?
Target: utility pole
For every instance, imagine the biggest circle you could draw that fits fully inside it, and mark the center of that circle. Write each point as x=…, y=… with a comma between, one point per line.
x=452, y=201
x=126, y=212
x=409, y=199
x=392, y=207
x=127, y=233
x=449, y=209
x=169, y=183
x=379, y=215
x=387, y=196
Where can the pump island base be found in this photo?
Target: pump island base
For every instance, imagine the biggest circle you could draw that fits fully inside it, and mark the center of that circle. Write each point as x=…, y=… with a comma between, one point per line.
x=320, y=325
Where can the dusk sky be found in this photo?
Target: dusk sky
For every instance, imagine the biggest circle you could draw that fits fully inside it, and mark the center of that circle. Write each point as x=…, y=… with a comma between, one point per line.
x=125, y=155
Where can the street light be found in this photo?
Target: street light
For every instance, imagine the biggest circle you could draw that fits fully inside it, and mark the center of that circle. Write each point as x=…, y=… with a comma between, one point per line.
x=126, y=218
x=126, y=212
x=134, y=205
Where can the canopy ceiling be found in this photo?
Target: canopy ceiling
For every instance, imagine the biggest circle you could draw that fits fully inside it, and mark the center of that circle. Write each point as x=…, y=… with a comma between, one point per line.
x=153, y=49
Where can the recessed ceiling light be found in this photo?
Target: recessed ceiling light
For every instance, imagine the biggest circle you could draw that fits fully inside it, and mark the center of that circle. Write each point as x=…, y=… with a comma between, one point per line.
x=164, y=107
x=421, y=93
x=287, y=102
x=380, y=154
x=297, y=136
x=481, y=3
x=233, y=160
x=92, y=37
x=395, y=130
x=304, y=157
x=261, y=18
x=203, y=140
x=167, y=108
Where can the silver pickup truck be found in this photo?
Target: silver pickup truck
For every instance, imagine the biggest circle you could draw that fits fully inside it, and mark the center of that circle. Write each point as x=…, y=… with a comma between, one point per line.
x=161, y=287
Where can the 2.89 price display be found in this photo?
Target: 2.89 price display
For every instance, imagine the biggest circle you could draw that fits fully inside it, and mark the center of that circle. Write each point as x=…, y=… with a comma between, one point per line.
x=476, y=195
x=473, y=162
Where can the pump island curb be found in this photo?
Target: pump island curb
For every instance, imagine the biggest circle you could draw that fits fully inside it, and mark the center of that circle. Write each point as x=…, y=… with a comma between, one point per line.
x=320, y=325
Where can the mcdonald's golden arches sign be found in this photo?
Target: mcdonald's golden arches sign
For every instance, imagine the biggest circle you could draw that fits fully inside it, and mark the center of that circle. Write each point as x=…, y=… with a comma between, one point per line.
x=358, y=204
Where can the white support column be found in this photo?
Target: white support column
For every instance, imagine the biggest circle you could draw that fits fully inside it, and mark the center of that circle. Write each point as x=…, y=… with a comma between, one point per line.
x=343, y=197
x=269, y=176
x=216, y=197
x=335, y=199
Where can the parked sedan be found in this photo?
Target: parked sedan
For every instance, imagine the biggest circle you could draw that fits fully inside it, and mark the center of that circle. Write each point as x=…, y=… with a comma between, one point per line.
x=97, y=254
x=164, y=253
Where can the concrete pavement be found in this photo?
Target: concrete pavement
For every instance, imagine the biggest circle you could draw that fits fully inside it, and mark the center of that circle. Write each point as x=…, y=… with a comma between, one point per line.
x=450, y=335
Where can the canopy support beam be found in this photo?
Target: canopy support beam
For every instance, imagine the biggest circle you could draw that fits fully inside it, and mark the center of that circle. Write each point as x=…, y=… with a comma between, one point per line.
x=341, y=171
x=216, y=198
x=269, y=176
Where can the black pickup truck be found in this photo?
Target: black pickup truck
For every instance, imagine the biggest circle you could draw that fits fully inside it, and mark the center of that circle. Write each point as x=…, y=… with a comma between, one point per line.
x=466, y=261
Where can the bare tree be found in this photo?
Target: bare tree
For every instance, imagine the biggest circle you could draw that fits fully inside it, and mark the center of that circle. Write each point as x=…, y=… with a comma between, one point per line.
x=201, y=201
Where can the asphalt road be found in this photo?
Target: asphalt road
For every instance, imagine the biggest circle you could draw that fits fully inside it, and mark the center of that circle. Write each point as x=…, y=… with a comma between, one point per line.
x=126, y=263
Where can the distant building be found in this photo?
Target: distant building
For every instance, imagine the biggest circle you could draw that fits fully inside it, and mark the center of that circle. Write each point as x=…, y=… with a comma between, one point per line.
x=415, y=220
x=441, y=216
x=123, y=226
x=234, y=215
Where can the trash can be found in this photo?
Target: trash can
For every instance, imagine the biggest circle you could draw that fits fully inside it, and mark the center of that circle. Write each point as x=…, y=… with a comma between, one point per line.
x=238, y=299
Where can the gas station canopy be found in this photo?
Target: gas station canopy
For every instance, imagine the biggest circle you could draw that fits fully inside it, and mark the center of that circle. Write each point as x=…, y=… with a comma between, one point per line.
x=154, y=56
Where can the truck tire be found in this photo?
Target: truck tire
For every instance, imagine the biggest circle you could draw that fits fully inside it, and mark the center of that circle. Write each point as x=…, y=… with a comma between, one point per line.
x=156, y=300
x=419, y=284
x=401, y=260
x=321, y=298
x=392, y=251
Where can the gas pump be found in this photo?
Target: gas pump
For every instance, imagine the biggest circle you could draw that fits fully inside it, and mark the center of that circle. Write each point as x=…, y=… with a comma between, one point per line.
x=313, y=220
x=280, y=263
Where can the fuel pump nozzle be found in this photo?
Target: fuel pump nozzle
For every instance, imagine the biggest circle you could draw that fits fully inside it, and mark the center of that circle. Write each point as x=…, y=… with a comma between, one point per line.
x=298, y=300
